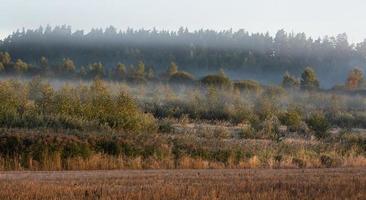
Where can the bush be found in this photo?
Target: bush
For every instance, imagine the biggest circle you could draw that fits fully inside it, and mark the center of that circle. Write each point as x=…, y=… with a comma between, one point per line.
x=247, y=133
x=265, y=108
x=78, y=108
x=319, y=124
x=274, y=91
x=248, y=86
x=181, y=78
x=292, y=119
x=343, y=119
x=216, y=81
x=269, y=128
x=165, y=126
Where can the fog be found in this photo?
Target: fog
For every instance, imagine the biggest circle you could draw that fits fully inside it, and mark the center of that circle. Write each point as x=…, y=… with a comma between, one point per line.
x=243, y=55
x=316, y=18
x=258, y=40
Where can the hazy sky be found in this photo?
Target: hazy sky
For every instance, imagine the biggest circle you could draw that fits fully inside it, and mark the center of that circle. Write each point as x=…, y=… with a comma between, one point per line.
x=314, y=17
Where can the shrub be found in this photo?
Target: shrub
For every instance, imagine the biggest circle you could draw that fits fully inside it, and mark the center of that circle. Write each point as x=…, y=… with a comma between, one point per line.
x=319, y=124
x=181, y=78
x=73, y=149
x=309, y=80
x=265, y=107
x=78, y=108
x=216, y=81
x=165, y=126
x=247, y=133
x=290, y=82
x=274, y=91
x=343, y=119
x=269, y=128
x=248, y=86
x=221, y=133
x=292, y=119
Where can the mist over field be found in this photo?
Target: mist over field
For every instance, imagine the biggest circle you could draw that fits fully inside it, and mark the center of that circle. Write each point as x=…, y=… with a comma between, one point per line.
x=190, y=99
x=243, y=55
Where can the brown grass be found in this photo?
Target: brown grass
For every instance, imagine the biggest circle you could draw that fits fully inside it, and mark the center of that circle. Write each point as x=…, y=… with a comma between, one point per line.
x=108, y=162
x=186, y=184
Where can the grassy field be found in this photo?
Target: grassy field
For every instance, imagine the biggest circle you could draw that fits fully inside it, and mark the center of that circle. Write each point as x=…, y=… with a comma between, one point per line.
x=340, y=183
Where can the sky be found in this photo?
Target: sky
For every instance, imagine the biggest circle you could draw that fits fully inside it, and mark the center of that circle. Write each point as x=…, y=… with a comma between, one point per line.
x=316, y=18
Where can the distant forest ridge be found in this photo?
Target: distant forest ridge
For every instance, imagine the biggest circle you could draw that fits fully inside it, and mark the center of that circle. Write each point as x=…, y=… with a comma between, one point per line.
x=241, y=54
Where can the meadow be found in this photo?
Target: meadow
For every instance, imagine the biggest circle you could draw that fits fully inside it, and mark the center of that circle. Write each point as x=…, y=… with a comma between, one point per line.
x=80, y=125
x=187, y=114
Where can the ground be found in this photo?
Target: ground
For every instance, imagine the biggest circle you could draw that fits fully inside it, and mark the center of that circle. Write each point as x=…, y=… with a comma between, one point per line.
x=341, y=183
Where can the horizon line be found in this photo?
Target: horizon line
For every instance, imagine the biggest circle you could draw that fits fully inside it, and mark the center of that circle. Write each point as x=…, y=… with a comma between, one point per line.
x=6, y=34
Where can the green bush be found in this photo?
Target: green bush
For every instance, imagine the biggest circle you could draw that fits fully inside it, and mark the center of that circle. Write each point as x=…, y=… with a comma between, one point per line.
x=292, y=119
x=319, y=124
x=82, y=108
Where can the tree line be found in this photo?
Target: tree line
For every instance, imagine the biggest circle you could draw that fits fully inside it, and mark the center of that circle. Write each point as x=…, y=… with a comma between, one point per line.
x=140, y=73
x=198, y=51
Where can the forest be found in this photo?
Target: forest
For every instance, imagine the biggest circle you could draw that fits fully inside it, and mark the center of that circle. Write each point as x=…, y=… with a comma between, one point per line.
x=241, y=54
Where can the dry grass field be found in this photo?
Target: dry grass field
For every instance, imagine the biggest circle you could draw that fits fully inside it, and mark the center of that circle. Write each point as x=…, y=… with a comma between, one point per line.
x=341, y=183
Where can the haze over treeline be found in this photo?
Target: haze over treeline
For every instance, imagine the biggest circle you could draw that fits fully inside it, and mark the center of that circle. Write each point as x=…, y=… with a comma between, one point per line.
x=241, y=54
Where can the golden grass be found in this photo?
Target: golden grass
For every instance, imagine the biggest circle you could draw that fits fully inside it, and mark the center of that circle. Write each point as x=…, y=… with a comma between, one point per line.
x=108, y=162
x=186, y=184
